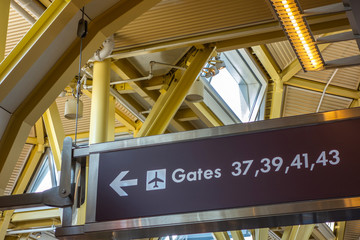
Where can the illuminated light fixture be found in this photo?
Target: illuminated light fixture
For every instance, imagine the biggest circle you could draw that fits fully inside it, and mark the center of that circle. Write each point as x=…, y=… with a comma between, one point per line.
x=210, y=71
x=214, y=66
x=299, y=34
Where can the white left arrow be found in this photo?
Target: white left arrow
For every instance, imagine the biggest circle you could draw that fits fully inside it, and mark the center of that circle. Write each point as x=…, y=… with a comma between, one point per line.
x=118, y=183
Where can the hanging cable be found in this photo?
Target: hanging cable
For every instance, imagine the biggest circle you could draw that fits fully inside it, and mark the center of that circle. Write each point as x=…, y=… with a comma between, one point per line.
x=325, y=88
x=81, y=33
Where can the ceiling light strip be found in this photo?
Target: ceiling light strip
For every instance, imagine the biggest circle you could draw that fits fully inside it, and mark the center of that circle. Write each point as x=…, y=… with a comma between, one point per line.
x=298, y=32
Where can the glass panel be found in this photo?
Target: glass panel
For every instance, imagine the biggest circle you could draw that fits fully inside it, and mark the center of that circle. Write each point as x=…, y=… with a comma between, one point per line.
x=45, y=177
x=240, y=84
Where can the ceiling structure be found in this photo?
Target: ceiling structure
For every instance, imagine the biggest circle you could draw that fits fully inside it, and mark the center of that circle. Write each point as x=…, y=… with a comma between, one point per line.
x=181, y=33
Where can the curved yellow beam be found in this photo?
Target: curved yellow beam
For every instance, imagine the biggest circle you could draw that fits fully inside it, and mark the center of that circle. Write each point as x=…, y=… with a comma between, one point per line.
x=56, y=78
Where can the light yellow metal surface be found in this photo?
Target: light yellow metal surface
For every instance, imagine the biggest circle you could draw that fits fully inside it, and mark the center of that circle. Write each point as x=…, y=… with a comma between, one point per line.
x=345, y=77
x=221, y=235
x=4, y=223
x=24, y=155
x=21, y=185
x=56, y=79
x=170, y=20
x=40, y=135
x=4, y=19
x=275, y=74
x=237, y=235
x=36, y=224
x=17, y=28
x=169, y=102
x=100, y=102
x=242, y=37
x=355, y=103
x=52, y=213
x=261, y=234
x=22, y=48
x=340, y=230
x=302, y=101
x=298, y=232
x=185, y=115
x=205, y=114
x=31, y=140
x=319, y=87
x=85, y=135
x=55, y=132
x=111, y=120
x=127, y=71
x=121, y=117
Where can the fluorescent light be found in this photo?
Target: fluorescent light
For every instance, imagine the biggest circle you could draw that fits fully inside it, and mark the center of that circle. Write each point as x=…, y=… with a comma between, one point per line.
x=298, y=33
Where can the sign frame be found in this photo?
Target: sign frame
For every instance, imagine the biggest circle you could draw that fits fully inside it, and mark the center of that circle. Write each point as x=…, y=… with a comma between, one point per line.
x=304, y=212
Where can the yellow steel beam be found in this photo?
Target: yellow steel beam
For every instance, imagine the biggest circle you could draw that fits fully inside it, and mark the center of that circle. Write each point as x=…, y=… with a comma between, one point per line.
x=53, y=213
x=355, y=103
x=169, y=102
x=154, y=83
x=295, y=66
x=38, y=30
x=185, y=115
x=40, y=135
x=221, y=235
x=340, y=230
x=237, y=235
x=4, y=223
x=268, y=62
x=261, y=234
x=4, y=19
x=274, y=71
x=298, y=232
x=111, y=120
x=121, y=117
x=55, y=132
x=100, y=102
x=319, y=87
x=31, y=140
x=127, y=71
x=22, y=183
x=278, y=76
x=124, y=88
x=241, y=37
x=84, y=135
x=36, y=224
x=28, y=170
x=128, y=123
x=205, y=114
x=33, y=45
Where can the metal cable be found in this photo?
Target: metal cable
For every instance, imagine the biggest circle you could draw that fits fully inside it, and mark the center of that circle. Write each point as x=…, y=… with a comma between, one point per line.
x=78, y=86
x=324, y=91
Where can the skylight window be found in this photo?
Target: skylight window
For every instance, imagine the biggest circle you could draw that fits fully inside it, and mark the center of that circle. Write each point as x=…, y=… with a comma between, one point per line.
x=240, y=84
x=45, y=176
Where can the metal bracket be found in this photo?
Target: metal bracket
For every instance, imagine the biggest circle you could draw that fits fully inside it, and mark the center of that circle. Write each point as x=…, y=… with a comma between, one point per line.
x=61, y=196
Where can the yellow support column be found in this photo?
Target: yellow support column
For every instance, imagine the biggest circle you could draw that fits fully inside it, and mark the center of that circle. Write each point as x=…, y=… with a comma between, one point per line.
x=111, y=120
x=169, y=102
x=4, y=20
x=99, y=119
x=277, y=99
x=55, y=132
x=298, y=232
x=100, y=102
x=261, y=234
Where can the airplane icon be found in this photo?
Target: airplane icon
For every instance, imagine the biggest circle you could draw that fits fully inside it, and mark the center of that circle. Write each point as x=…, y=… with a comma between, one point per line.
x=156, y=179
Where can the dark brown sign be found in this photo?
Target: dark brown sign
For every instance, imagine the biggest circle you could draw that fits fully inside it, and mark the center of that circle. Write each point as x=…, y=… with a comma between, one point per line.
x=288, y=165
